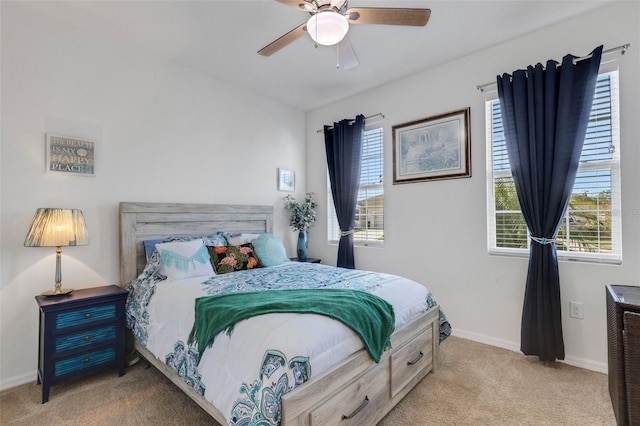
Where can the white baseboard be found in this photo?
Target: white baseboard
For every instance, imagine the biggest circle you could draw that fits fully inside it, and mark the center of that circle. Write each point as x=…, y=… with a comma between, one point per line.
x=600, y=367
x=587, y=364
x=18, y=380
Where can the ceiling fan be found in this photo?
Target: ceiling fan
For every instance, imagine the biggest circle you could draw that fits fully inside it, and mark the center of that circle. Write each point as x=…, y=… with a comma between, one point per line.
x=329, y=23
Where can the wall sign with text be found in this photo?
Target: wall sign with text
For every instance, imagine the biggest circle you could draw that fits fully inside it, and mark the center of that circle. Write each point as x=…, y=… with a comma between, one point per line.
x=67, y=154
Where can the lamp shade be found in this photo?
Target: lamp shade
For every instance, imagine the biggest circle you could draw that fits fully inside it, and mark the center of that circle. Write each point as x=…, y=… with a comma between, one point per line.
x=57, y=228
x=327, y=27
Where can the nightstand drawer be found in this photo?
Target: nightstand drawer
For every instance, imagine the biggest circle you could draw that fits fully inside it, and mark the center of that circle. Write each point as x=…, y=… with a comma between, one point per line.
x=85, y=338
x=80, y=362
x=86, y=315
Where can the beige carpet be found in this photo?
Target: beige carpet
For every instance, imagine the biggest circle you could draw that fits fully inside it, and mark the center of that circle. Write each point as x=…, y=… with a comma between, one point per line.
x=475, y=384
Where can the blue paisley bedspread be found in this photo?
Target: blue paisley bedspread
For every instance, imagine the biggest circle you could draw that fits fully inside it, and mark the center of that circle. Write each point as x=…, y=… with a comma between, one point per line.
x=244, y=374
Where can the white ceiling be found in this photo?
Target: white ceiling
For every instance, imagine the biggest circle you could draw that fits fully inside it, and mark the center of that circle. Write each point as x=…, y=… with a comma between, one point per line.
x=221, y=38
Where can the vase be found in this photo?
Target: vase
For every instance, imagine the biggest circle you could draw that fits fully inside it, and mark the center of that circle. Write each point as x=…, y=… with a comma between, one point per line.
x=302, y=245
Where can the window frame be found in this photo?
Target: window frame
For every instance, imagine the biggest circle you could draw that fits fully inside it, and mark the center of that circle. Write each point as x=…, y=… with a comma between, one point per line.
x=612, y=165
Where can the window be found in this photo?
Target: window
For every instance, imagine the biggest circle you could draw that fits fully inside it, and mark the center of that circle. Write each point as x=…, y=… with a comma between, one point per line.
x=591, y=230
x=369, y=225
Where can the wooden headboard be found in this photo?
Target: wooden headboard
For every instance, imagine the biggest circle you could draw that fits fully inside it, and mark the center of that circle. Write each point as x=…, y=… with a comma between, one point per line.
x=144, y=221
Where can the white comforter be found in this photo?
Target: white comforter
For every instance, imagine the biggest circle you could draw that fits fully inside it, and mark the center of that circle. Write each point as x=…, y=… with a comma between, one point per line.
x=244, y=374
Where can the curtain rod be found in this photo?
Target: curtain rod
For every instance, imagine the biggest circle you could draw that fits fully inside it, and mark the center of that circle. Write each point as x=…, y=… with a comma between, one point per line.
x=623, y=49
x=366, y=118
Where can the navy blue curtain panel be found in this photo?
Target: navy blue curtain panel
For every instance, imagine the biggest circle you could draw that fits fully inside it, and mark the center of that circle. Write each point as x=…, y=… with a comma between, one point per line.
x=343, y=144
x=545, y=111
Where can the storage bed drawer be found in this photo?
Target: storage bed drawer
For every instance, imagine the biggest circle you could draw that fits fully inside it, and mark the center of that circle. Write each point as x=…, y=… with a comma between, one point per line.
x=410, y=360
x=358, y=403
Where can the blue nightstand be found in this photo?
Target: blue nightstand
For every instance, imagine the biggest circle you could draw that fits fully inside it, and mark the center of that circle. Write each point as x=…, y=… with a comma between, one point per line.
x=81, y=333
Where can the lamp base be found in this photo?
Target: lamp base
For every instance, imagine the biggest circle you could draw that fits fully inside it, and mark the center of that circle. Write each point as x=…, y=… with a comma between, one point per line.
x=57, y=292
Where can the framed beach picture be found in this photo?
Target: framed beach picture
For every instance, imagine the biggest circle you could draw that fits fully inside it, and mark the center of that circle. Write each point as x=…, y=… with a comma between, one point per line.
x=286, y=180
x=432, y=148
x=71, y=155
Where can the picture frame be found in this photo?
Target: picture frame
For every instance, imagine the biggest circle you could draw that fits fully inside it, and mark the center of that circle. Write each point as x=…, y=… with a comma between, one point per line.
x=432, y=148
x=70, y=155
x=286, y=180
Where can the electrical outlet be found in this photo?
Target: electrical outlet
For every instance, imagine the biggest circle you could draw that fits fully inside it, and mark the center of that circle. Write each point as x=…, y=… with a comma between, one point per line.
x=576, y=310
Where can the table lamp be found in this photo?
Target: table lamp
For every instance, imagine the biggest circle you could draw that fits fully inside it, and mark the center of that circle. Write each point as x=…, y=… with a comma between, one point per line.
x=57, y=228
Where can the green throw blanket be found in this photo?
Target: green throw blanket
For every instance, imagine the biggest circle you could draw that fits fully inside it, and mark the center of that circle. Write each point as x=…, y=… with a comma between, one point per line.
x=371, y=317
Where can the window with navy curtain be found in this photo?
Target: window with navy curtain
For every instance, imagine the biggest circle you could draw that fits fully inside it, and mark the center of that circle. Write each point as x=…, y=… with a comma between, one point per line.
x=591, y=229
x=369, y=224
x=545, y=113
x=343, y=145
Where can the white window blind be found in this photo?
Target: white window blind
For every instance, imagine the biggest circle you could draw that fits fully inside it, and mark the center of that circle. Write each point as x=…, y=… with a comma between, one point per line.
x=369, y=221
x=591, y=228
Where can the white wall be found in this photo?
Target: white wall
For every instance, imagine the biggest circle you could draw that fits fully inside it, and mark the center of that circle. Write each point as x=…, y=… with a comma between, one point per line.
x=164, y=134
x=436, y=232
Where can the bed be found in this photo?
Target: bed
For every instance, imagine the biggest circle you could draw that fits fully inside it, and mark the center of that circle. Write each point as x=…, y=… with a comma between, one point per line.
x=339, y=383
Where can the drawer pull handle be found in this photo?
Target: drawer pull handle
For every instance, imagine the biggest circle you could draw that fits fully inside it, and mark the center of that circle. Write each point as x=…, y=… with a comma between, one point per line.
x=417, y=360
x=87, y=315
x=360, y=408
x=86, y=360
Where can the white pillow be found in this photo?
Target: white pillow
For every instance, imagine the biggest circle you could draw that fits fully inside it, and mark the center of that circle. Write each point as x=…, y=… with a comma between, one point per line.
x=184, y=259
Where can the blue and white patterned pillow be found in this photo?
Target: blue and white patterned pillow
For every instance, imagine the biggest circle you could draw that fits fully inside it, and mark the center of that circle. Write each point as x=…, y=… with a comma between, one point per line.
x=239, y=238
x=150, y=246
x=215, y=240
x=184, y=259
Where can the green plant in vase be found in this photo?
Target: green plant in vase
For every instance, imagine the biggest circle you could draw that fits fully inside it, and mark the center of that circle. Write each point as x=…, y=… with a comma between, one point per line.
x=303, y=215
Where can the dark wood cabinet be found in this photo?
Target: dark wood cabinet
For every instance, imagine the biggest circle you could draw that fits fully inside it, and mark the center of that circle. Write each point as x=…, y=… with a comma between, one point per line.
x=623, y=339
x=81, y=333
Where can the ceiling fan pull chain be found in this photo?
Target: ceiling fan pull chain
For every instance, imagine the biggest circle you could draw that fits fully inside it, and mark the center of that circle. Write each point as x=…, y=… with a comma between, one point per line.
x=338, y=56
x=316, y=38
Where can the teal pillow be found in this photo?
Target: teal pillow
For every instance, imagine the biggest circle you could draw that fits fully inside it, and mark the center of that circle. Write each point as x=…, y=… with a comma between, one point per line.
x=269, y=250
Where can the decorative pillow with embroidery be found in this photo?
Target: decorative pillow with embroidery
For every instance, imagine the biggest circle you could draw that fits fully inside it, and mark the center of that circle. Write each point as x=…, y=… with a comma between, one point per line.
x=184, y=259
x=233, y=258
x=211, y=240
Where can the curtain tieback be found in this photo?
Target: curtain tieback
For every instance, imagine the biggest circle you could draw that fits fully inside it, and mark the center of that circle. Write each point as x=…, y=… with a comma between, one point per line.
x=544, y=240
x=345, y=233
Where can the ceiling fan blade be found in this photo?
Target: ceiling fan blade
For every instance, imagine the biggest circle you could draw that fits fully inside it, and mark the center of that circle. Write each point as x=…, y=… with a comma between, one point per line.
x=388, y=16
x=337, y=4
x=283, y=41
x=299, y=4
x=347, y=58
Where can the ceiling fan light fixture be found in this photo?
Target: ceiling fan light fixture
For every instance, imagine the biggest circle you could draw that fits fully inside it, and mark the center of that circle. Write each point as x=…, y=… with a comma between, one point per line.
x=327, y=27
